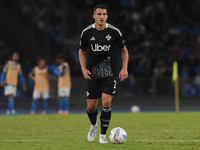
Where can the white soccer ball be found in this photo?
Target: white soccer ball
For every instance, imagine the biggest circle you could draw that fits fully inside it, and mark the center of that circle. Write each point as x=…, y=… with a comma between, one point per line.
x=135, y=109
x=118, y=135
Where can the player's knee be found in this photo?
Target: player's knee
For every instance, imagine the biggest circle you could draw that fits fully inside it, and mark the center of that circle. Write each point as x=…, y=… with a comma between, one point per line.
x=91, y=107
x=106, y=103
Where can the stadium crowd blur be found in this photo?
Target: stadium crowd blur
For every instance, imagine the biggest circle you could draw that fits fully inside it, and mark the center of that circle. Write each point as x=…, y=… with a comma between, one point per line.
x=157, y=33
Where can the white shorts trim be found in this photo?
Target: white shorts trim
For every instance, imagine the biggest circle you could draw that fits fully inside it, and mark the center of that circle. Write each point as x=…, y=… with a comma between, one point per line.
x=64, y=92
x=38, y=95
x=10, y=89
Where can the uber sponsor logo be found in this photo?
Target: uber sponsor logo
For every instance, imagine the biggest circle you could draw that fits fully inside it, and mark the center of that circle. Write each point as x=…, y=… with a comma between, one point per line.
x=99, y=48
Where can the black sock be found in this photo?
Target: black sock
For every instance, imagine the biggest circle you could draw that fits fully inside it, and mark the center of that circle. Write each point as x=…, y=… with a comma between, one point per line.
x=105, y=119
x=92, y=115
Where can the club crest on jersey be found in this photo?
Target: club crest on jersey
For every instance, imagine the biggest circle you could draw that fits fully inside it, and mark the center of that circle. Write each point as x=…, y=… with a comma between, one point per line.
x=108, y=37
x=99, y=48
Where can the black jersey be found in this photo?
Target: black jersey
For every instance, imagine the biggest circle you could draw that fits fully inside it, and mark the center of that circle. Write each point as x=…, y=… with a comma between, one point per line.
x=101, y=46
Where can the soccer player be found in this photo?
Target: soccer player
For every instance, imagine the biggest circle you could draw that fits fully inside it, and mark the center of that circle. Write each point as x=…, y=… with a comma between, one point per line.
x=9, y=79
x=40, y=76
x=100, y=40
x=64, y=84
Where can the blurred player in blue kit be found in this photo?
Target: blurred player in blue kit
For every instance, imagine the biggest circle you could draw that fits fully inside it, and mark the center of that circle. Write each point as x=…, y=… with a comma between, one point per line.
x=64, y=84
x=9, y=79
x=40, y=76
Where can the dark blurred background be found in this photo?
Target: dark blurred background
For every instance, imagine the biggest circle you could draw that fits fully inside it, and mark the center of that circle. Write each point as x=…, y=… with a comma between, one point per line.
x=157, y=33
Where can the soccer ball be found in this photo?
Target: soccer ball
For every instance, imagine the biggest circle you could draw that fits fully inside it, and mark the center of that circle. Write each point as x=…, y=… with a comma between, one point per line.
x=118, y=135
x=135, y=109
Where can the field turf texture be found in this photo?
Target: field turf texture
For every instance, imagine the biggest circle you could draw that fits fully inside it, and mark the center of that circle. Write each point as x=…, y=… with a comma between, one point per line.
x=146, y=131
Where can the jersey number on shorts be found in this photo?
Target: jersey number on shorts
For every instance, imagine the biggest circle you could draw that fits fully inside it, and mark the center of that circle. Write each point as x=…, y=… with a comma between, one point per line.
x=115, y=83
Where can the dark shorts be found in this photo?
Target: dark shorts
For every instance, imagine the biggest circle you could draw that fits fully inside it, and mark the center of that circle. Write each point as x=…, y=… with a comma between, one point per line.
x=96, y=87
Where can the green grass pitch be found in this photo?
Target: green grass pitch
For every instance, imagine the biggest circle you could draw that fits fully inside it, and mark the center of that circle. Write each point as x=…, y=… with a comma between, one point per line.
x=146, y=131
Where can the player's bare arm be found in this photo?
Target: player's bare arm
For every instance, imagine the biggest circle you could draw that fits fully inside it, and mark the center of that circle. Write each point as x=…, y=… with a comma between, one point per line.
x=124, y=73
x=2, y=84
x=47, y=74
x=82, y=59
x=24, y=88
x=31, y=76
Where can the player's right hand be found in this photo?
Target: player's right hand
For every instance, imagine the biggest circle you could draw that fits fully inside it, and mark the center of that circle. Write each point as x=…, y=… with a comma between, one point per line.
x=86, y=74
x=24, y=88
x=2, y=84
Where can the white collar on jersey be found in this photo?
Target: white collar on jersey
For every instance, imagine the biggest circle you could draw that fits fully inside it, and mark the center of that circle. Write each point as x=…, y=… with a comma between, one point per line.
x=14, y=63
x=94, y=25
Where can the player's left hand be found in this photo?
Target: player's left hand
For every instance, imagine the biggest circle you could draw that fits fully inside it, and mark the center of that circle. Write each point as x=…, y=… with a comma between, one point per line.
x=24, y=88
x=123, y=74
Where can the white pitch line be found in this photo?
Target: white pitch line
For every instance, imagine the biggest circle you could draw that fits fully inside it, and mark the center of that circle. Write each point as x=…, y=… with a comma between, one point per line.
x=127, y=140
x=169, y=131
x=24, y=140
x=167, y=140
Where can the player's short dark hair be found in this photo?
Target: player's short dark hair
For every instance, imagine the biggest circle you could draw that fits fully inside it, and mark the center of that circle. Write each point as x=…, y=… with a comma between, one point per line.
x=15, y=53
x=59, y=56
x=39, y=59
x=102, y=6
